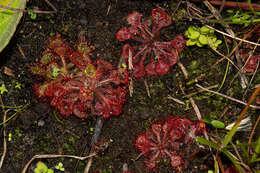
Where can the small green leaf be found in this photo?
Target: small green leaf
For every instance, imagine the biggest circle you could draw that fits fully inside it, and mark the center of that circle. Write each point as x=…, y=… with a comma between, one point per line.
x=203, y=40
x=124, y=65
x=55, y=71
x=50, y=171
x=40, y=167
x=236, y=20
x=218, y=42
x=213, y=38
x=192, y=29
x=211, y=32
x=17, y=85
x=245, y=17
x=217, y=124
x=194, y=35
x=190, y=42
x=204, y=30
x=187, y=34
x=199, y=44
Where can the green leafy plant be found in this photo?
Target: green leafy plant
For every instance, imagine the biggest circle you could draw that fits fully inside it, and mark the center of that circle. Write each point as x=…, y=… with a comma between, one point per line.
x=201, y=37
x=42, y=168
x=3, y=89
x=9, y=19
x=60, y=167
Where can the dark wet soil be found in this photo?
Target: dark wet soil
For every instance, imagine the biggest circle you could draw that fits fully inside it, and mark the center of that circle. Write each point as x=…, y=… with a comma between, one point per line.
x=39, y=129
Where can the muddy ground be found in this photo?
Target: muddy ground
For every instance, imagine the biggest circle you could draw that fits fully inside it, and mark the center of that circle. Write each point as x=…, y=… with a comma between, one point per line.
x=39, y=129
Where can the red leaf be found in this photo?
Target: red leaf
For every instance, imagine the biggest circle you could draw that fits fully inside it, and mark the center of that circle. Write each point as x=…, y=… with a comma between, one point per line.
x=162, y=67
x=134, y=19
x=123, y=34
x=150, y=68
x=179, y=42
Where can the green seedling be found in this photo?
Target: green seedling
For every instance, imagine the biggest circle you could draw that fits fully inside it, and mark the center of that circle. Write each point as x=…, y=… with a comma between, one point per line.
x=91, y=129
x=42, y=168
x=32, y=15
x=9, y=19
x=55, y=71
x=201, y=37
x=10, y=137
x=3, y=89
x=18, y=85
x=60, y=167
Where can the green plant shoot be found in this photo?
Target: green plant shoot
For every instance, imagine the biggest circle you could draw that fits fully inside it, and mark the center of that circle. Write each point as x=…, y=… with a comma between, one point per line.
x=3, y=89
x=42, y=168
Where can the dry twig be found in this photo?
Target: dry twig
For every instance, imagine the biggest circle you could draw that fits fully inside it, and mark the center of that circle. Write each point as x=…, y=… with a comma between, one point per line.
x=147, y=88
x=234, y=37
x=48, y=156
x=4, y=136
x=228, y=97
x=176, y=100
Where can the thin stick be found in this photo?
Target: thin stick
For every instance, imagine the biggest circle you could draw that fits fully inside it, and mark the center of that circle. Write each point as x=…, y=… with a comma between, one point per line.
x=228, y=97
x=4, y=135
x=234, y=37
x=176, y=100
x=183, y=69
x=147, y=88
x=94, y=140
x=131, y=87
x=196, y=108
x=199, y=91
x=48, y=156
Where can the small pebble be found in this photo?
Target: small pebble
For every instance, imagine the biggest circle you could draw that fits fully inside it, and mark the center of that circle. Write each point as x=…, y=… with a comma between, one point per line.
x=41, y=123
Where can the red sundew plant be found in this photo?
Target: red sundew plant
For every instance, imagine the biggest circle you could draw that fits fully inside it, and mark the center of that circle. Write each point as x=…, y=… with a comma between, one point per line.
x=75, y=85
x=166, y=139
x=251, y=63
x=152, y=56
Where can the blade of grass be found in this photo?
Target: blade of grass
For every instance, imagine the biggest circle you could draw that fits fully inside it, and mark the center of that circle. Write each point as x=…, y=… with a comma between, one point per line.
x=251, y=7
x=225, y=151
x=232, y=132
x=227, y=67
